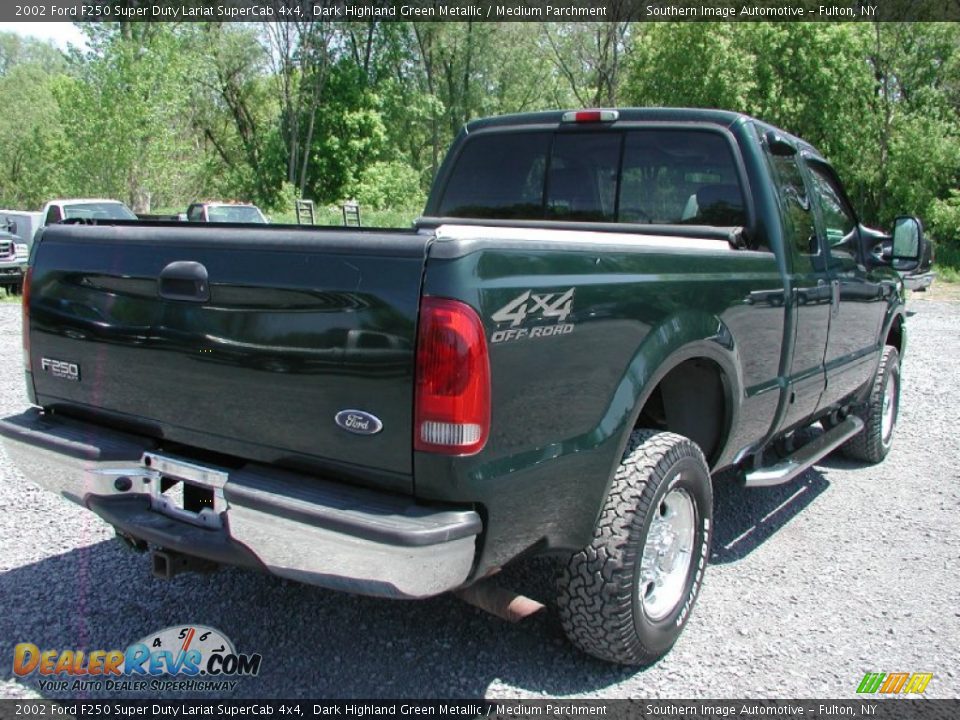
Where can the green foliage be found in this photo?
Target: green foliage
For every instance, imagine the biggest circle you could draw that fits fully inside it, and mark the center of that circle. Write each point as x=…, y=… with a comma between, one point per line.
x=385, y=185
x=924, y=159
x=173, y=112
x=944, y=223
x=879, y=100
x=139, y=151
x=16, y=50
x=680, y=65
x=31, y=137
x=32, y=142
x=947, y=265
x=233, y=114
x=285, y=203
x=349, y=134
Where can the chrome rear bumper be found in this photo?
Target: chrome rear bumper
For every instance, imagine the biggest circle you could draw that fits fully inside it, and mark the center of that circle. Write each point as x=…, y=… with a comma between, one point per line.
x=295, y=526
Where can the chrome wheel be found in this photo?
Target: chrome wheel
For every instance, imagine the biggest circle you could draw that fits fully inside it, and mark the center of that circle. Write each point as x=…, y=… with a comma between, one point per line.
x=888, y=414
x=667, y=554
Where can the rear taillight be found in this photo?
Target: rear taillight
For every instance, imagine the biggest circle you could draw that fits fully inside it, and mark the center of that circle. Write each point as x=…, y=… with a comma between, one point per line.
x=452, y=412
x=25, y=298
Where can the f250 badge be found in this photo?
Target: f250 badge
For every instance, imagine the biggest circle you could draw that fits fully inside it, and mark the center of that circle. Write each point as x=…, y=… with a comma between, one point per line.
x=60, y=369
x=532, y=305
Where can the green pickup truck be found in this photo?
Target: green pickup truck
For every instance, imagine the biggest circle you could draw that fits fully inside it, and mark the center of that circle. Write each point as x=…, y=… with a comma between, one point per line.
x=597, y=311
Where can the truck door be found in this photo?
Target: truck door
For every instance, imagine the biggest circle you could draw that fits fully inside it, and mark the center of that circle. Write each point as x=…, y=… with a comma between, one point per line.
x=858, y=302
x=810, y=289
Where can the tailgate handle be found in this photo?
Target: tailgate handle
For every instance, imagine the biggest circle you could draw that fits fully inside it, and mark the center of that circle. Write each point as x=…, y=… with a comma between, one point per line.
x=184, y=280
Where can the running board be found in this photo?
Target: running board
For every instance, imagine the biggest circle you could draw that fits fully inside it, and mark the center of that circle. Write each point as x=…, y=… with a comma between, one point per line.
x=791, y=466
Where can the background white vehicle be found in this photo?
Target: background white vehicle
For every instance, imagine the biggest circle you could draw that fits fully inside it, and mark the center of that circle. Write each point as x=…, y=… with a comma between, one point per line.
x=225, y=212
x=13, y=261
x=22, y=224
x=87, y=208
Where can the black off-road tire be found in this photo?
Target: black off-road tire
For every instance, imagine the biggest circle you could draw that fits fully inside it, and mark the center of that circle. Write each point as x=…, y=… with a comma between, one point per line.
x=599, y=599
x=871, y=444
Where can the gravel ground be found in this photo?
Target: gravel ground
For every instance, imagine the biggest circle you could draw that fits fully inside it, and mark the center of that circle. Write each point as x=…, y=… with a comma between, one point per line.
x=850, y=569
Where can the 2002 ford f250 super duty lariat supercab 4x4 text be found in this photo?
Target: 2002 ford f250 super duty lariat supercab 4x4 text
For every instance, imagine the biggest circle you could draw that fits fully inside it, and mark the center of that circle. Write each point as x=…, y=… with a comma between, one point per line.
x=597, y=311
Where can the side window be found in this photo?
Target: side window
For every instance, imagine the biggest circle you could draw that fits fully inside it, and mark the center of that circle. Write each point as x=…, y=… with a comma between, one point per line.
x=839, y=221
x=53, y=215
x=800, y=233
x=195, y=213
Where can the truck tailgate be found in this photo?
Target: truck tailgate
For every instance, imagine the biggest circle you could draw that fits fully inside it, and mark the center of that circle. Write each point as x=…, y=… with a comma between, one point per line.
x=241, y=340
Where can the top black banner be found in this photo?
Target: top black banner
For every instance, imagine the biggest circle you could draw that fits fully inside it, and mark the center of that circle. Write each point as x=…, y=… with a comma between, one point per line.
x=479, y=10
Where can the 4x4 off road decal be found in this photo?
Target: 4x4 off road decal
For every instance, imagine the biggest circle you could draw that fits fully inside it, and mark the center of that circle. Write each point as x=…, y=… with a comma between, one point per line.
x=532, y=306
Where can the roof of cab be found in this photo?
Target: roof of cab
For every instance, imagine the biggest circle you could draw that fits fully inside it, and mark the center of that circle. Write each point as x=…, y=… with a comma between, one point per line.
x=723, y=118
x=717, y=117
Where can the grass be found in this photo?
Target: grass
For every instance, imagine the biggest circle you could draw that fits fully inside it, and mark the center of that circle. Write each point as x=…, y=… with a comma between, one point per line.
x=6, y=297
x=947, y=264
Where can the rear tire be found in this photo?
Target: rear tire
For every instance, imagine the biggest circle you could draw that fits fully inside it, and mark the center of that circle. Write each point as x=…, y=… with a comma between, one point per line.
x=627, y=596
x=880, y=413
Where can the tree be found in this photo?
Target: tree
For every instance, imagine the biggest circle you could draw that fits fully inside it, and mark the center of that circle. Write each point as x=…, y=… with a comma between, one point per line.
x=31, y=141
x=236, y=113
x=124, y=114
x=875, y=99
x=302, y=55
x=589, y=57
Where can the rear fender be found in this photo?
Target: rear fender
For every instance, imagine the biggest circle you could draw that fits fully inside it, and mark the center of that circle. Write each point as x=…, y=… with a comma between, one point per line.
x=679, y=338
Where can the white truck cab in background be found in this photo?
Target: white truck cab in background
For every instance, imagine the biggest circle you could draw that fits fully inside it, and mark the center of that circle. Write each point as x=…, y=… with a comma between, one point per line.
x=87, y=208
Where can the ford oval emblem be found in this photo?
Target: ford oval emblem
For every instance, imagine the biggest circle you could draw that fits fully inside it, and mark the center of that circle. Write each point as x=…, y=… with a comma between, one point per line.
x=359, y=422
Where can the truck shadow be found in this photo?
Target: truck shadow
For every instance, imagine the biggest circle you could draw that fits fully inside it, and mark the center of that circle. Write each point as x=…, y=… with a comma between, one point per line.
x=744, y=518
x=322, y=644
x=314, y=643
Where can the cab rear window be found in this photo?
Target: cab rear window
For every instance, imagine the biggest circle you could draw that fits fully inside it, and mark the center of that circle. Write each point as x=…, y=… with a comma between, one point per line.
x=672, y=177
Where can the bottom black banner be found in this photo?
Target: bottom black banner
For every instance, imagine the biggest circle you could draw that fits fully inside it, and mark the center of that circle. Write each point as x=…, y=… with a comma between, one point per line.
x=868, y=708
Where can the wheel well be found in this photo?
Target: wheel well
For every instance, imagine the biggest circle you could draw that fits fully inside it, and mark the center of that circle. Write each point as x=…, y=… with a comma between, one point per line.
x=690, y=401
x=895, y=336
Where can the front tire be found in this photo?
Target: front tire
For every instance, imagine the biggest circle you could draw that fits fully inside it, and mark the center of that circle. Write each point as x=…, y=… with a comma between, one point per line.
x=880, y=413
x=627, y=596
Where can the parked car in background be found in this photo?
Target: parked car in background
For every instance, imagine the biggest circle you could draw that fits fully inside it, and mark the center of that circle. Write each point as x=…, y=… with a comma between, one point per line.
x=225, y=212
x=22, y=224
x=83, y=208
x=13, y=261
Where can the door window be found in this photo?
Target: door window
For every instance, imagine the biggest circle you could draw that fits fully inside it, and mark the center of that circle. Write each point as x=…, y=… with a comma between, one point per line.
x=839, y=221
x=800, y=233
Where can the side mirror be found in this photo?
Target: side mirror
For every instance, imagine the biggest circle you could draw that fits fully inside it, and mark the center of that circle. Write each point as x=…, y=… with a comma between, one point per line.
x=907, y=243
